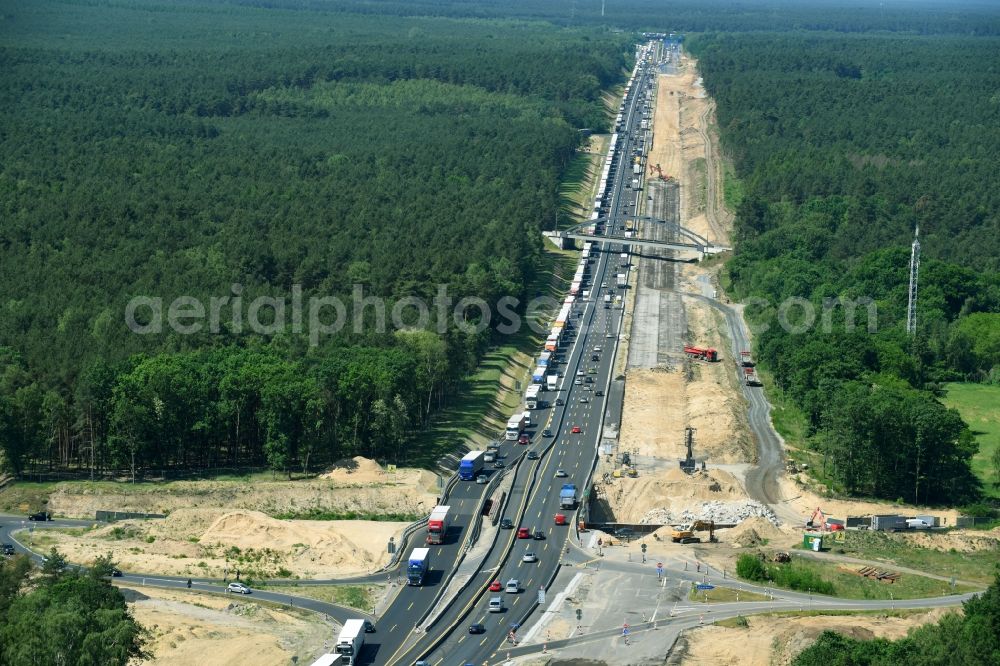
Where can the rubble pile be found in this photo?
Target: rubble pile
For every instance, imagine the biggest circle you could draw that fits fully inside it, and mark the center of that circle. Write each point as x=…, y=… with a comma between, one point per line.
x=723, y=513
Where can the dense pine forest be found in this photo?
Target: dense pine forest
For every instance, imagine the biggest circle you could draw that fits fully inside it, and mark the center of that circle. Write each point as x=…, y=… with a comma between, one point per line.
x=844, y=146
x=283, y=149
x=214, y=150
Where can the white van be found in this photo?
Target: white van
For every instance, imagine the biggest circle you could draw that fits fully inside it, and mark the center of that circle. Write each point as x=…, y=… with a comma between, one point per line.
x=496, y=605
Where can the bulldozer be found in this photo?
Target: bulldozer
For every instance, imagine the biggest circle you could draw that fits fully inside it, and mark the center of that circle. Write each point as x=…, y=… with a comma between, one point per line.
x=685, y=533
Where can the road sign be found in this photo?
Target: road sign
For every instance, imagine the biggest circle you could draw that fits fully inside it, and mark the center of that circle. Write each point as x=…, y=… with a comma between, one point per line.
x=705, y=586
x=541, y=595
x=644, y=548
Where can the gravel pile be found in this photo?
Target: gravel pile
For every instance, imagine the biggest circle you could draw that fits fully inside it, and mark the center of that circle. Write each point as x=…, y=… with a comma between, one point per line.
x=725, y=513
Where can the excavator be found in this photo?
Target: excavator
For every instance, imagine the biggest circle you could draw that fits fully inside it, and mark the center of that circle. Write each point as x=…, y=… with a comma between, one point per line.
x=818, y=521
x=685, y=533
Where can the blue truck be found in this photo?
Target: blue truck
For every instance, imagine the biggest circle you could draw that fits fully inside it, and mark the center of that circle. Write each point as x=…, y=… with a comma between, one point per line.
x=470, y=465
x=417, y=565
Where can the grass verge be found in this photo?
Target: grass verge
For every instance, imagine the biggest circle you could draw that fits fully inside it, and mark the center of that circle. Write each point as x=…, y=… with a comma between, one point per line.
x=976, y=566
x=848, y=585
x=723, y=595
x=739, y=622
x=361, y=597
x=317, y=514
x=979, y=405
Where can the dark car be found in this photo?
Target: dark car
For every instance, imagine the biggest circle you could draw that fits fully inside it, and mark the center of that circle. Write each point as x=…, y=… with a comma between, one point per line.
x=598, y=393
x=116, y=572
x=498, y=464
x=595, y=357
x=532, y=455
x=539, y=535
x=369, y=627
x=507, y=524
x=8, y=549
x=477, y=629
x=559, y=402
x=546, y=433
x=40, y=516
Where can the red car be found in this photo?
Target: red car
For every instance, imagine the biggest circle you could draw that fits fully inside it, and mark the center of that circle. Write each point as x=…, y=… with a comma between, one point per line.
x=523, y=533
x=560, y=519
x=576, y=430
x=495, y=586
x=523, y=439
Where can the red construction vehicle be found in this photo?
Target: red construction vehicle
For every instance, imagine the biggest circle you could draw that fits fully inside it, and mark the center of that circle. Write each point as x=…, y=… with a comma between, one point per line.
x=818, y=521
x=750, y=377
x=661, y=175
x=746, y=360
x=702, y=353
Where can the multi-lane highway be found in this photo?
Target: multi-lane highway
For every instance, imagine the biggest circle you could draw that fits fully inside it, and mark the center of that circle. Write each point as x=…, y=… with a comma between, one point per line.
x=589, y=348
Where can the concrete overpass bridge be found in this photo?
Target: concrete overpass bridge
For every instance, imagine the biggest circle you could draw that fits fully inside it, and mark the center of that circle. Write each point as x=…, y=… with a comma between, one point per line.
x=691, y=241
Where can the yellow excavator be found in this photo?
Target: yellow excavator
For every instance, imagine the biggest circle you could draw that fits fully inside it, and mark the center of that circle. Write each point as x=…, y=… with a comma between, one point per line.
x=685, y=533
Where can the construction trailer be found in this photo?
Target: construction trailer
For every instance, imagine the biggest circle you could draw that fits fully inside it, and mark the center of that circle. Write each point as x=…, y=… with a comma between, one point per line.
x=888, y=523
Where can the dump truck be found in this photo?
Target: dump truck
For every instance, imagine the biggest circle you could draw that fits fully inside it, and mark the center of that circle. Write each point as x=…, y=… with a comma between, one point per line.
x=702, y=353
x=567, y=496
x=746, y=360
x=685, y=533
x=750, y=377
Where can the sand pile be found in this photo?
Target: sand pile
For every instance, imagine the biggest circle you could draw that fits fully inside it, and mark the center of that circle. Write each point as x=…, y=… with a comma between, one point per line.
x=351, y=545
x=355, y=470
x=751, y=532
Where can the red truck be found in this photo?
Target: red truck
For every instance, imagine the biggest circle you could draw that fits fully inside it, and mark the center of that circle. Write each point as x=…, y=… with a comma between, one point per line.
x=746, y=360
x=437, y=525
x=702, y=353
x=750, y=377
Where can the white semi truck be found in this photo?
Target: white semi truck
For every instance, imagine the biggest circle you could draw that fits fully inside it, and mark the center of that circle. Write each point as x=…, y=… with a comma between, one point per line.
x=350, y=641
